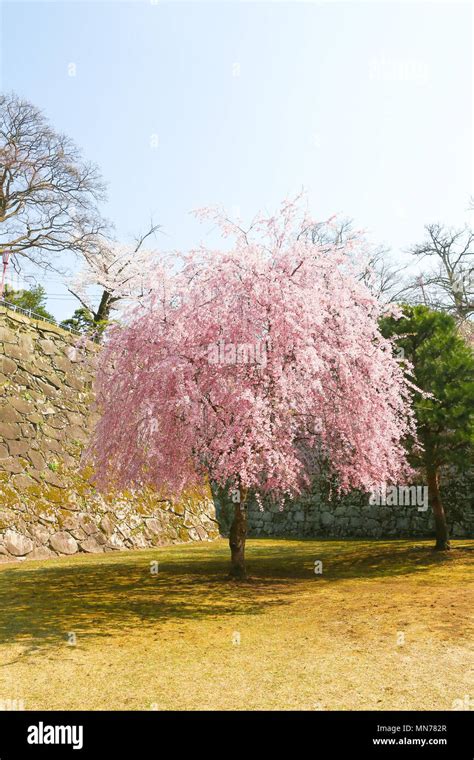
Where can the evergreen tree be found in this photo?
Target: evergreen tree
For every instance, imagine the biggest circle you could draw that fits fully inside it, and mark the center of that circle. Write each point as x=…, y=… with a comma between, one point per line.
x=443, y=366
x=33, y=299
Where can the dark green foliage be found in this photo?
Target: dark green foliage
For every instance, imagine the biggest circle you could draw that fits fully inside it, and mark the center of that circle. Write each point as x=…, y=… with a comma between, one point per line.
x=33, y=299
x=83, y=321
x=444, y=367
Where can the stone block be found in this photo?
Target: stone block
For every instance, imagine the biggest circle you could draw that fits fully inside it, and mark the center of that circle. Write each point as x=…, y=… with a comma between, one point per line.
x=21, y=482
x=48, y=347
x=36, y=459
x=26, y=342
x=39, y=532
x=7, y=335
x=17, y=544
x=327, y=519
x=10, y=430
x=48, y=390
x=91, y=546
x=63, y=543
x=20, y=404
x=9, y=414
x=11, y=464
x=7, y=366
x=41, y=552
x=106, y=525
x=18, y=448
x=115, y=542
x=154, y=526
x=88, y=524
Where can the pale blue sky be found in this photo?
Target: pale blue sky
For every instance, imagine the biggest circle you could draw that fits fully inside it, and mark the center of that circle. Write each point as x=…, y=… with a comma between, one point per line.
x=368, y=106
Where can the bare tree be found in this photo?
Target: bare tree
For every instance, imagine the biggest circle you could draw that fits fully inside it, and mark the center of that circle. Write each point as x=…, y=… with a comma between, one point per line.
x=448, y=284
x=48, y=194
x=374, y=263
x=384, y=277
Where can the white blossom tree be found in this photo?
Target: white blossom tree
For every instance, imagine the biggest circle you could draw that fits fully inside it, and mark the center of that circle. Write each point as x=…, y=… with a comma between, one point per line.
x=113, y=273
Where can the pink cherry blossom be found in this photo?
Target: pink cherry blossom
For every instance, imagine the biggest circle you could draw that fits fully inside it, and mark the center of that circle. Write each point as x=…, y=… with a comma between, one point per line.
x=173, y=414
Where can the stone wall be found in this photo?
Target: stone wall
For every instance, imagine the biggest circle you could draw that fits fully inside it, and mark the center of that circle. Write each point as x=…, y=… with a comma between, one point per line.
x=351, y=517
x=48, y=507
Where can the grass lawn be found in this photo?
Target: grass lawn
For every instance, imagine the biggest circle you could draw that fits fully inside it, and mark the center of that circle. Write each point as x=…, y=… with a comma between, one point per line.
x=386, y=626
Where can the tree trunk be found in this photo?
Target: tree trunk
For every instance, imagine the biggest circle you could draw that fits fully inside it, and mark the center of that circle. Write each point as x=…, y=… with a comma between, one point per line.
x=103, y=310
x=441, y=526
x=102, y=315
x=237, y=536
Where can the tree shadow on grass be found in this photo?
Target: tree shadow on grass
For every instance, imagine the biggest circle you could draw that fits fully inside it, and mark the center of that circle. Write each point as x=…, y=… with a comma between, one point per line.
x=105, y=595
x=352, y=559
x=42, y=605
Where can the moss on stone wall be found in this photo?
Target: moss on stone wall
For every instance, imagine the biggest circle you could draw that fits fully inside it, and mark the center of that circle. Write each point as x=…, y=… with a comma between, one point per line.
x=48, y=505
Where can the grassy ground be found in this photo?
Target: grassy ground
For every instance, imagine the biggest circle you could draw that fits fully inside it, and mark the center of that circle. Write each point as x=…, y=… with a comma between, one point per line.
x=386, y=626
